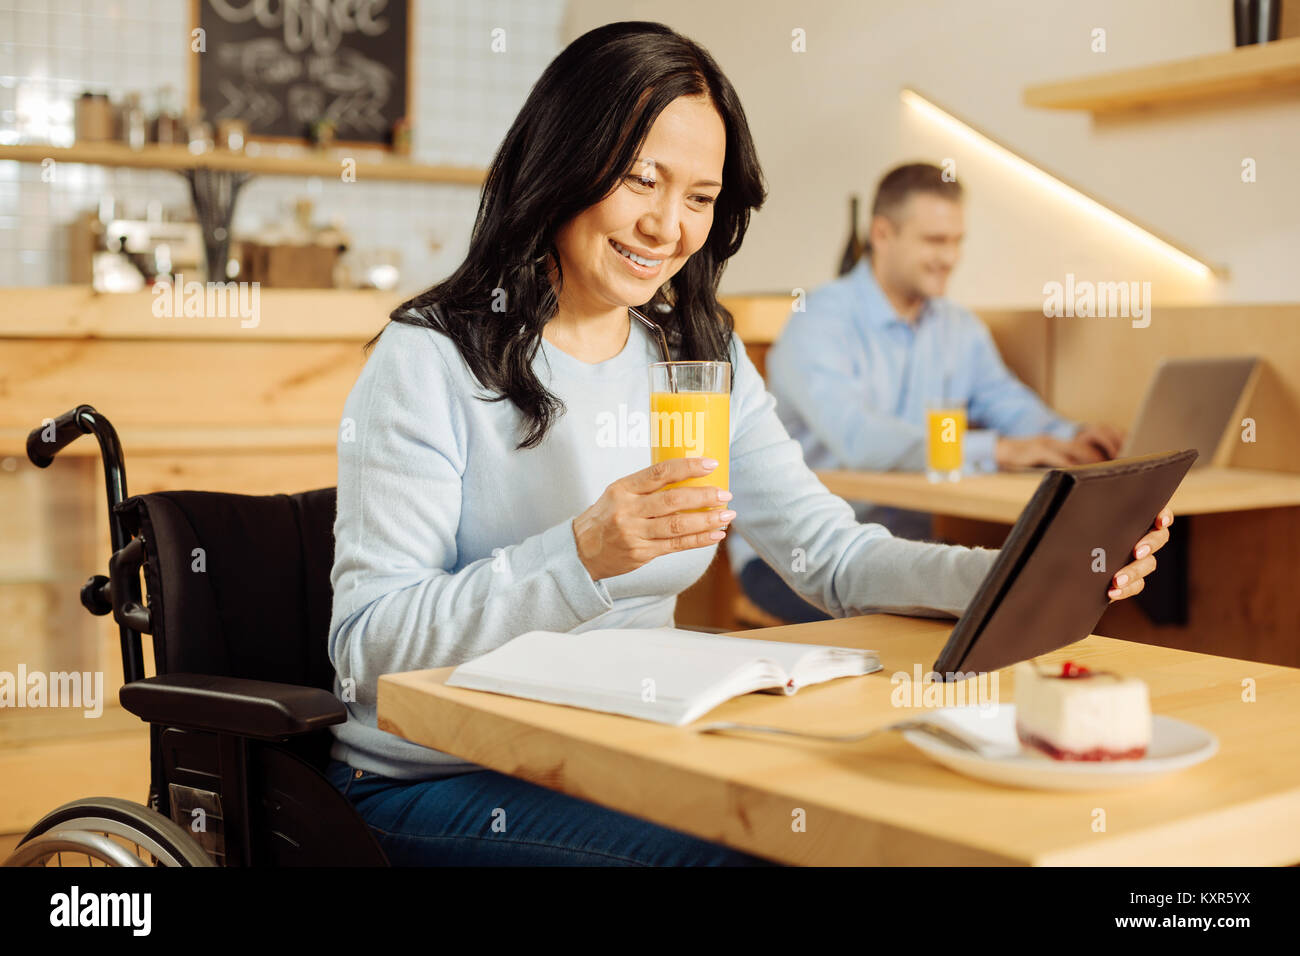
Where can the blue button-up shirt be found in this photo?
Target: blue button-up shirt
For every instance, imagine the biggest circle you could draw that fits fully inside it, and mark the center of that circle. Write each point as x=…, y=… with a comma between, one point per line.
x=852, y=379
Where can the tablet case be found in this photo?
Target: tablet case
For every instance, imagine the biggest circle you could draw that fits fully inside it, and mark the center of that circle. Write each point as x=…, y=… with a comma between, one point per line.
x=1047, y=588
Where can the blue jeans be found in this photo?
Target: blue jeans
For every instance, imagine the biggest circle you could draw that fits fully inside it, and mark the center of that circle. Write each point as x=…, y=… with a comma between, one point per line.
x=486, y=818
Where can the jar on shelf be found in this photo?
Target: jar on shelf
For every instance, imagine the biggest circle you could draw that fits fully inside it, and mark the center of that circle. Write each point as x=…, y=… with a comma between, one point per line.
x=168, y=125
x=94, y=118
x=232, y=134
x=134, y=131
x=198, y=132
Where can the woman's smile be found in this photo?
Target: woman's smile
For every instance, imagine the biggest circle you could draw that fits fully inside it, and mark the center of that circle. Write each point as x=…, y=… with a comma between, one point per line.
x=641, y=266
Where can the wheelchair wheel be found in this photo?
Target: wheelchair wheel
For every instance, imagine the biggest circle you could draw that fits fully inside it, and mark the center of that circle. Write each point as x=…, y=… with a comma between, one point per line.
x=107, y=831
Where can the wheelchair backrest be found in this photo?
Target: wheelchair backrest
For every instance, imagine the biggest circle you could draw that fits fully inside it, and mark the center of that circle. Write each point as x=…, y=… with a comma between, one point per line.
x=238, y=585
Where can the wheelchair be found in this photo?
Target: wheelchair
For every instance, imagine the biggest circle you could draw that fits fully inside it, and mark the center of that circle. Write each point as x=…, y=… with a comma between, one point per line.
x=238, y=607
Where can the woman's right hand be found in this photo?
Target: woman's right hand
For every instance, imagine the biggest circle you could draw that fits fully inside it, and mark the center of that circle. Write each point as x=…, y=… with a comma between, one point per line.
x=637, y=519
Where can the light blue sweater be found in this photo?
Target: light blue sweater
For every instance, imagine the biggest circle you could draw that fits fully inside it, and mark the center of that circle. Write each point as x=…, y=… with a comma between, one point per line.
x=450, y=542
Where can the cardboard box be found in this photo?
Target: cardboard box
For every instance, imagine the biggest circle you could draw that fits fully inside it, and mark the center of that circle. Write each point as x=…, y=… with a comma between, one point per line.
x=284, y=266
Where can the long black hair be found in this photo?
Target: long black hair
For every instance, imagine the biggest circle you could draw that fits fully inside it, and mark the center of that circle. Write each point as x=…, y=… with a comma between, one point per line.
x=573, y=141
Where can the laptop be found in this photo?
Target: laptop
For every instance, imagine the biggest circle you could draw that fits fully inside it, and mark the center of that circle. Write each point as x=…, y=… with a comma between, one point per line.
x=1189, y=403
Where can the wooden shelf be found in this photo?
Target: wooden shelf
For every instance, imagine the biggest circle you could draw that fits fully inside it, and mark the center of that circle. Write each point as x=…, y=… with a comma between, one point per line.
x=307, y=164
x=1248, y=69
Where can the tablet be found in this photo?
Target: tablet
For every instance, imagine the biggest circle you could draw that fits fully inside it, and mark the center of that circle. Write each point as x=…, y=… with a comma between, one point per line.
x=1048, y=586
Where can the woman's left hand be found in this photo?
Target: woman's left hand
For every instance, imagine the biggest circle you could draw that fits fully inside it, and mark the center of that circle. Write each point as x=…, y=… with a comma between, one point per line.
x=1128, y=580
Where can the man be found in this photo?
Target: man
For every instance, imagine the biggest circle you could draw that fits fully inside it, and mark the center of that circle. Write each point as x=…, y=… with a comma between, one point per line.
x=853, y=372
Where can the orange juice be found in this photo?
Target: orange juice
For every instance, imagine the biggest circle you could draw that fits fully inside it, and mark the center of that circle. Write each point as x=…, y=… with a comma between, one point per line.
x=692, y=425
x=947, y=432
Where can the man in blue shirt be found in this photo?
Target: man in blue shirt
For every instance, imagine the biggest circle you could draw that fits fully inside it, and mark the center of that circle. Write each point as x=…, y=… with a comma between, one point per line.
x=852, y=373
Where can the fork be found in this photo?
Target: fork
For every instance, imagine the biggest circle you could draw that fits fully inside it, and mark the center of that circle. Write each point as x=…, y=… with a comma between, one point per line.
x=925, y=726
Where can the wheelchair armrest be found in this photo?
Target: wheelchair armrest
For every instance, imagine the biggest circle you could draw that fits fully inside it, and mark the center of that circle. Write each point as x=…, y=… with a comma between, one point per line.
x=232, y=705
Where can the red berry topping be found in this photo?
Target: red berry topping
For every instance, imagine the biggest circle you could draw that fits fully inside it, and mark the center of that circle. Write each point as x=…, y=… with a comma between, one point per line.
x=1071, y=669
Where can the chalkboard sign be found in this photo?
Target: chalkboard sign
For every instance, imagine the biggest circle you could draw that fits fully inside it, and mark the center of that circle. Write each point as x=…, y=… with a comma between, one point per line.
x=281, y=65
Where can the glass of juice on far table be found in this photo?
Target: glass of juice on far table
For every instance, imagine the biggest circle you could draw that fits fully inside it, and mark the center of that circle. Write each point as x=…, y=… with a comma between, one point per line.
x=690, y=417
x=946, y=431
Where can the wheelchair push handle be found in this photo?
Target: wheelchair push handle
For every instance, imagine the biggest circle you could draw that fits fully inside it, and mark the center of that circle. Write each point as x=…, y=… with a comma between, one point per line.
x=120, y=592
x=53, y=435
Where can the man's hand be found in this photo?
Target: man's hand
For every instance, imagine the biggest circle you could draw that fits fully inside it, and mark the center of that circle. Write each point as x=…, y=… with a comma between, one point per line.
x=1107, y=438
x=1042, y=450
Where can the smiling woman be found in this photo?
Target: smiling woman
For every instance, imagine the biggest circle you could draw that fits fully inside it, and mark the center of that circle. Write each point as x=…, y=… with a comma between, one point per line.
x=456, y=527
x=479, y=495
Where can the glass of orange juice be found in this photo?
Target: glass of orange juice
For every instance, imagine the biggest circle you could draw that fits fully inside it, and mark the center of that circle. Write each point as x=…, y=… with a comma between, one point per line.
x=690, y=417
x=946, y=430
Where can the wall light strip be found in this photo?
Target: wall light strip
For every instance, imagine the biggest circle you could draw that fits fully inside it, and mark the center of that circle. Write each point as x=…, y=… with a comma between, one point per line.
x=1059, y=187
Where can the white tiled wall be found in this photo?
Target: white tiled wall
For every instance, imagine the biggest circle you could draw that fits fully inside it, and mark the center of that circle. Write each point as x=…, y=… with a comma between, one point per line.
x=465, y=97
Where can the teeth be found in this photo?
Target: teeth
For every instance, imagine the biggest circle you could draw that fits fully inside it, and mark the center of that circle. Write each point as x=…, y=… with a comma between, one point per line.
x=639, y=260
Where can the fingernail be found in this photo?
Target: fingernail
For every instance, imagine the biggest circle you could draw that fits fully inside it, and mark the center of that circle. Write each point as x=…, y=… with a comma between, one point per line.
x=1114, y=592
x=1143, y=551
x=1121, y=580
x=717, y=535
x=724, y=495
x=727, y=515
x=709, y=463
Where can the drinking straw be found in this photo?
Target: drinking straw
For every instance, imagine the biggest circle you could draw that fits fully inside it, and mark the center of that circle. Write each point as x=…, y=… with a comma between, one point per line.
x=663, y=345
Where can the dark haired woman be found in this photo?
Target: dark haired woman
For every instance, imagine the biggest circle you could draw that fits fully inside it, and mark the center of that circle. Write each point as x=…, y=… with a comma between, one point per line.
x=475, y=501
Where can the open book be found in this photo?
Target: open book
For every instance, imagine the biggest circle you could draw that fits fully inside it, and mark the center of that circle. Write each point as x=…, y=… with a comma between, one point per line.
x=663, y=674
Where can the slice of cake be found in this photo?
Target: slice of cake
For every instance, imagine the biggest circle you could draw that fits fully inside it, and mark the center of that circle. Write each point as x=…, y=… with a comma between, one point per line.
x=1080, y=714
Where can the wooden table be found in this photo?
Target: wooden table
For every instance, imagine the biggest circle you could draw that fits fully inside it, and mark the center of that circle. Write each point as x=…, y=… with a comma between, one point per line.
x=881, y=801
x=1002, y=496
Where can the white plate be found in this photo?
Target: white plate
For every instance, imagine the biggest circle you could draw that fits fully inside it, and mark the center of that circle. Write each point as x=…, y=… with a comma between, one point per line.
x=1175, y=745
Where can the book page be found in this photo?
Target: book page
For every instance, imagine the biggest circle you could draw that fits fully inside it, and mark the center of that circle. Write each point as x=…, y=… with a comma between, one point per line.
x=656, y=673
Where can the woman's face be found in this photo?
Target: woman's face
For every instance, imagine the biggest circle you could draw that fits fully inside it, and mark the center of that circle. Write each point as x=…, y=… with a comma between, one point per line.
x=661, y=211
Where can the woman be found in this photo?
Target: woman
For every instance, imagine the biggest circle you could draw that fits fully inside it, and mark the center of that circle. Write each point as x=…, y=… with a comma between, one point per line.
x=475, y=501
